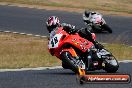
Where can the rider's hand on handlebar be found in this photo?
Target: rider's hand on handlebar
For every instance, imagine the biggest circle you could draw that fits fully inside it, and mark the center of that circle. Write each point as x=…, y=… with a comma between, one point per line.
x=99, y=46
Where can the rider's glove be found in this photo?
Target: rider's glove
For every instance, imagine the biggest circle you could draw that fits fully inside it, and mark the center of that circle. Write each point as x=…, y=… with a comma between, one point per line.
x=98, y=45
x=69, y=28
x=87, y=22
x=68, y=25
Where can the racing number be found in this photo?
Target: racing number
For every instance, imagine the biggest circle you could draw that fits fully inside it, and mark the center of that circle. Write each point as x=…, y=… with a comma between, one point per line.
x=54, y=41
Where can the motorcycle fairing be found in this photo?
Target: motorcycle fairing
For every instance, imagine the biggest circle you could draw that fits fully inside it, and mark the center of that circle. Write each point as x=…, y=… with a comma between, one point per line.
x=61, y=37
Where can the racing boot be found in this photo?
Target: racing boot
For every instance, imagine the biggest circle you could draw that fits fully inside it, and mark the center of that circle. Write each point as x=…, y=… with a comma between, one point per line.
x=89, y=62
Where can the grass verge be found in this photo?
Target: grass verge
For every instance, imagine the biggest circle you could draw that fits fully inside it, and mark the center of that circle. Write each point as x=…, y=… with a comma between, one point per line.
x=21, y=51
x=109, y=6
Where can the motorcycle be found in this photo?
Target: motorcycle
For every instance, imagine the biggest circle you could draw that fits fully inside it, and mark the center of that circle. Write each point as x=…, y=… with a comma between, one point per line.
x=98, y=24
x=64, y=45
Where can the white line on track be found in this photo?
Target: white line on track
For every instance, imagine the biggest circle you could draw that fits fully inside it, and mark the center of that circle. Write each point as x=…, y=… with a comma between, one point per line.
x=125, y=61
x=44, y=68
x=28, y=69
x=23, y=34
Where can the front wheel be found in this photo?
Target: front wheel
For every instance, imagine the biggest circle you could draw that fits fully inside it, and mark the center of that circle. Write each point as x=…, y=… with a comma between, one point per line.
x=107, y=28
x=65, y=66
x=66, y=58
x=111, y=65
x=68, y=63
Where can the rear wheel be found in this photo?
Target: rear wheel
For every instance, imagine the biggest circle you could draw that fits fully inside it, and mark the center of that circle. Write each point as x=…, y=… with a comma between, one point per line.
x=107, y=28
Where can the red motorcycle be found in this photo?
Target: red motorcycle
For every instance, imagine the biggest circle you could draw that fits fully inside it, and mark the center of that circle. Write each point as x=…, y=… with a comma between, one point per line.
x=64, y=45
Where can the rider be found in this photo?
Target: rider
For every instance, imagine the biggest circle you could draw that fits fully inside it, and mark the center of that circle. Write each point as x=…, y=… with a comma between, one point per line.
x=87, y=15
x=53, y=22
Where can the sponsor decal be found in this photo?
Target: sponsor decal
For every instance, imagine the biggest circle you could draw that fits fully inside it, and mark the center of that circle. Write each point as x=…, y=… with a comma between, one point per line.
x=105, y=78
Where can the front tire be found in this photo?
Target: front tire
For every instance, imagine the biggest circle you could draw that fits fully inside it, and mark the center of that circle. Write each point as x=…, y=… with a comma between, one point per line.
x=66, y=58
x=65, y=66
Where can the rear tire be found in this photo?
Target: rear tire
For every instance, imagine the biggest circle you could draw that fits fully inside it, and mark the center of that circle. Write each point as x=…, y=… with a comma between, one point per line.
x=107, y=28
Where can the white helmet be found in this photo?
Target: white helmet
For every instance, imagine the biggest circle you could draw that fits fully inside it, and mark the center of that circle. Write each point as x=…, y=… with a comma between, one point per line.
x=88, y=14
x=52, y=22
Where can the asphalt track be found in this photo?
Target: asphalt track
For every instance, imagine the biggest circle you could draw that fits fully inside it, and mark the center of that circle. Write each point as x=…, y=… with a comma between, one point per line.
x=55, y=78
x=33, y=21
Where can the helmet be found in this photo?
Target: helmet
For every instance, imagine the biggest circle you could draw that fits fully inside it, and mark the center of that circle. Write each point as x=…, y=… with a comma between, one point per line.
x=85, y=16
x=52, y=22
x=92, y=13
x=87, y=13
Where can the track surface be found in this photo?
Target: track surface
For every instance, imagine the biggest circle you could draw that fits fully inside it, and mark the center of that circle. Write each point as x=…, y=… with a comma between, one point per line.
x=55, y=78
x=33, y=21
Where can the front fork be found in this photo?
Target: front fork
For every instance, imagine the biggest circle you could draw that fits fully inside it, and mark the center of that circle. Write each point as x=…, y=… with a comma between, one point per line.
x=81, y=69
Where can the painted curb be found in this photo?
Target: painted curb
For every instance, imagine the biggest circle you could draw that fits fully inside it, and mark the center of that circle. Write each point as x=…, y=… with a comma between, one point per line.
x=46, y=68
x=33, y=35
x=23, y=34
x=28, y=69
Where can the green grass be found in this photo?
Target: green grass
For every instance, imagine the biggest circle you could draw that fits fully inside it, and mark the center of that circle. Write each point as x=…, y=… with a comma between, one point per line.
x=124, y=6
x=20, y=51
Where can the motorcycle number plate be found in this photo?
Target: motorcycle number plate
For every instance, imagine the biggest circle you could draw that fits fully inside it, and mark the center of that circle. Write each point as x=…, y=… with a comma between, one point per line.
x=54, y=42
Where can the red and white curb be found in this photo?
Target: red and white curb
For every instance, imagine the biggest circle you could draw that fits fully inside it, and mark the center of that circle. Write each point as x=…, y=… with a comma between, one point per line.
x=45, y=68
